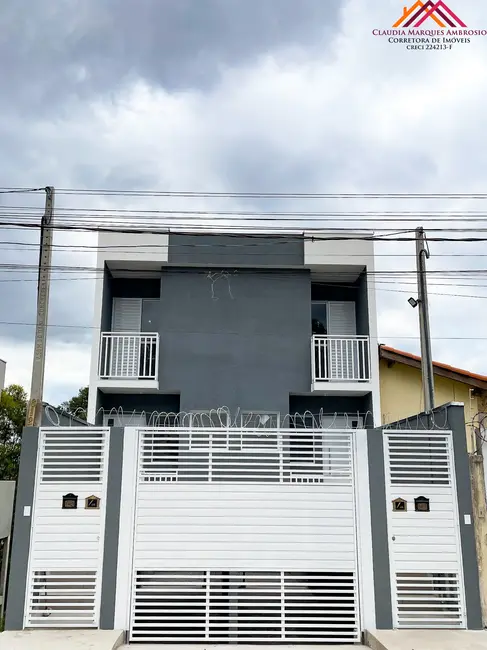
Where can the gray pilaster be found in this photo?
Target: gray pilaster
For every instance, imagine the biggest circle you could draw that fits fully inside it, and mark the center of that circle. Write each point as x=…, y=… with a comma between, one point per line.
x=380, y=543
x=22, y=530
x=112, y=525
x=456, y=421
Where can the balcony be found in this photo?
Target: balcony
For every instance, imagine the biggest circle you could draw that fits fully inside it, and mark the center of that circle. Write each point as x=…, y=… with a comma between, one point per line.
x=343, y=361
x=128, y=360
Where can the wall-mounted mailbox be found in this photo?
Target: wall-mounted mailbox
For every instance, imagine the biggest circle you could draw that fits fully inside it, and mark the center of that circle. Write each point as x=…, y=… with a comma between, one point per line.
x=399, y=505
x=92, y=503
x=422, y=504
x=70, y=502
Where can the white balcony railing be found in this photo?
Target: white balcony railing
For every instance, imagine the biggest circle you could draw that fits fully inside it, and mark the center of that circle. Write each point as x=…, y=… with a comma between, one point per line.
x=340, y=359
x=129, y=355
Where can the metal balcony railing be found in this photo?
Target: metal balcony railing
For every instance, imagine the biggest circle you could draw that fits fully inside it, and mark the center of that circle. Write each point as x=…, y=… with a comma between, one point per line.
x=129, y=355
x=336, y=358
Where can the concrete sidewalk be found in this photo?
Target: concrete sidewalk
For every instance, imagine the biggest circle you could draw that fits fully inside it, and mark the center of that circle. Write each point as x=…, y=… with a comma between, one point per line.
x=61, y=640
x=240, y=646
x=427, y=640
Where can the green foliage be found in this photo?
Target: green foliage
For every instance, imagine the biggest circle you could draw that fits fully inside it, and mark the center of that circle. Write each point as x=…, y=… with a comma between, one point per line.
x=77, y=405
x=13, y=405
x=9, y=461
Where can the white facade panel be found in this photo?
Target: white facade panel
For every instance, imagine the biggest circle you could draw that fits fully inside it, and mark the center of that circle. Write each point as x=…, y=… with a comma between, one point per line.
x=352, y=251
x=146, y=249
x=66, y=551
x=424, y=546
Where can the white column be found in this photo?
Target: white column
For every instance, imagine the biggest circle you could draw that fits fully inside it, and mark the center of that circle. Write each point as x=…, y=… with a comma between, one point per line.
x=95, y=350
x=364, y=531
x=128, y=493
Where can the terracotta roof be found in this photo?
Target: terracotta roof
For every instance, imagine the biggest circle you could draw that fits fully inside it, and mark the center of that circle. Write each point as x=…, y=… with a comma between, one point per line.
x=387, y=352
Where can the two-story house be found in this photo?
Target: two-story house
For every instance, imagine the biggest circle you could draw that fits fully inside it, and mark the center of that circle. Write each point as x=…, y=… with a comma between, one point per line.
x=235, y=485
x=260, y=325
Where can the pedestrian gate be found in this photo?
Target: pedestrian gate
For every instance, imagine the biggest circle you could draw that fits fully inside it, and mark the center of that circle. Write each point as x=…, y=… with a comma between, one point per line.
x=424, y=533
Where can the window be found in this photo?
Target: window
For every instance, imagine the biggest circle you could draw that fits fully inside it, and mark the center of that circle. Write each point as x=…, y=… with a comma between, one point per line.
x=319, y=321
x=259, y=419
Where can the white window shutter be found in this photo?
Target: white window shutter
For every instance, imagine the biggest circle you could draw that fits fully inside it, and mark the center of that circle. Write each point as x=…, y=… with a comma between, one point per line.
x=341, y=319
x=342, y=324
x=126, y=317
x=126, y=314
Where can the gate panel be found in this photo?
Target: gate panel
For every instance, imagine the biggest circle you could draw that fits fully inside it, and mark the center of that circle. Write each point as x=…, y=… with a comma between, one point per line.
x=67, y=544
x=424, y=543
x=245, y=534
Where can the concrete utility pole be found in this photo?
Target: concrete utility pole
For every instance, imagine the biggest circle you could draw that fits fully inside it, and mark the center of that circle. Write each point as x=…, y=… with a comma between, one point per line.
x=422, y=254
x=34, y=408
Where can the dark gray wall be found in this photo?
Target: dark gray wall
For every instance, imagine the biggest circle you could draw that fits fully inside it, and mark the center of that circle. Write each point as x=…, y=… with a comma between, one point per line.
x=242, y=343
x=456, y=422
x=22, y=528
x=148, y=403
x=330, y=291
x=380, y=541
x=136, y=287
x=106, y=307
x=112, y=524
x=331, y=404
x=236, y=250
x=362, y=306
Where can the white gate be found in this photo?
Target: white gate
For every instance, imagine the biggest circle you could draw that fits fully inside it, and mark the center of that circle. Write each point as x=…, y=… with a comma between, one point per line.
x=245, y=535
x=424, y=532
x=66, y=548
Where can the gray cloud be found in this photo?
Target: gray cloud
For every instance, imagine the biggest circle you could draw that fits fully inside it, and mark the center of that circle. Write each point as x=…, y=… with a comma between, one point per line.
x=72, y=50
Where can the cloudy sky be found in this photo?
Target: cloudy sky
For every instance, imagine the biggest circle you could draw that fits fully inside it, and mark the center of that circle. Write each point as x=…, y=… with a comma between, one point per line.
x=240, y=96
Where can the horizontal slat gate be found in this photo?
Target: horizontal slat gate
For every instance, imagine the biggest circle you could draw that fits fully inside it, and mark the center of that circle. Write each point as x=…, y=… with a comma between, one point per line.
x=244, y=535
x=424, y=545
x=66, y=544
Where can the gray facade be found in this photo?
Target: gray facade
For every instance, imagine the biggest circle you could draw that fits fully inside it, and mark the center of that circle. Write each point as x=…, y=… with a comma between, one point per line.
x=233, y=315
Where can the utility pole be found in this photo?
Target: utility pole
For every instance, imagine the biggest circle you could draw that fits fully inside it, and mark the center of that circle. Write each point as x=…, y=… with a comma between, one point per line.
x=422, y=254
x=34, y=408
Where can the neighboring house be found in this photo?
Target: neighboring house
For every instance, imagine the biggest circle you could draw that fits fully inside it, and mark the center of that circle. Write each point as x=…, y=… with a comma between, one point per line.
x=401, y=390
x=236, y=486
x=53, y=416
x=3, y=366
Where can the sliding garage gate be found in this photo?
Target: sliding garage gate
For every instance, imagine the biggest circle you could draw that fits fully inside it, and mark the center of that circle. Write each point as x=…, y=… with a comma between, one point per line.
x=424, y=531
x=245, y=535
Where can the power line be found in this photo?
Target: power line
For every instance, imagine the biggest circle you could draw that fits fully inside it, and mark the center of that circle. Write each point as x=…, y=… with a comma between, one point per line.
x=271, y=195
x=79, y=248
x=179, y=331
x=368, y=215
x=21, y=190
x=239, y=231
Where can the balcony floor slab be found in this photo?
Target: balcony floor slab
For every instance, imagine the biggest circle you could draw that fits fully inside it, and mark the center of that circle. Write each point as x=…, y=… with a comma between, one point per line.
x=345, y=388
x=128, y=385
